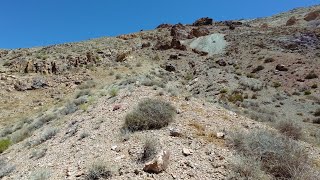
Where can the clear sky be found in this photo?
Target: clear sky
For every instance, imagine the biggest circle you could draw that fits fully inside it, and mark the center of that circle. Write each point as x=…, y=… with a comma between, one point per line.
x=28, y=23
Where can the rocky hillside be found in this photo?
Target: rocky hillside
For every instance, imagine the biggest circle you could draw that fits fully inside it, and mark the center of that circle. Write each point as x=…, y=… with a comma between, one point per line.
x=228, y=100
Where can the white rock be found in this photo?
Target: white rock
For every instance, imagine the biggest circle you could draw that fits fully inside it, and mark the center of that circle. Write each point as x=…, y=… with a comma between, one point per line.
x=220, y=135
x=114, y=148
x=187, y=152
x=159, y=163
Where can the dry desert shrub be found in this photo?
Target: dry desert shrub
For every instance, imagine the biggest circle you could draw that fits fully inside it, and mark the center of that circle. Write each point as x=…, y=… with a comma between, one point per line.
x=98, y=170
x=150, y=114
x=5, y=168
x=289, y=129
x=279, y=156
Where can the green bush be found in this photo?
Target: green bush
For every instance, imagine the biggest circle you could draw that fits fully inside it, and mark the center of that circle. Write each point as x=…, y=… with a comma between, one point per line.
x=150, y=114
x=4, y=144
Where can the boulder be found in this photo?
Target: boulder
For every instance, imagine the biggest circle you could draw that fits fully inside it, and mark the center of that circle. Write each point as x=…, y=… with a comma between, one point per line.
x=173, y=56
x=176, y=44
x=164, y=26
x=198, y=32
x=203, y=22
x=20, y=86
x=159, y=163
x=281, y=67
x=293, y=20
x=162, y=45
x=201, y=53
x=312, y=15
x=221, y=62
x=179, y=31
x=39, y=82
x=170, y=68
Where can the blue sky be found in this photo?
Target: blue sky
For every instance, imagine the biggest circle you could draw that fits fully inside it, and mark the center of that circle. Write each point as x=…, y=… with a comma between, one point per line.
x=28, y=23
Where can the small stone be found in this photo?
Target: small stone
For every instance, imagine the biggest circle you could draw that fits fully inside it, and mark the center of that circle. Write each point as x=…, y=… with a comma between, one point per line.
x=187, y=152
x=120, y=157
x=175, y=132
x=158, y=164
x=220, y=135
x=115, y=148
x=116, y=107
x=281, y=67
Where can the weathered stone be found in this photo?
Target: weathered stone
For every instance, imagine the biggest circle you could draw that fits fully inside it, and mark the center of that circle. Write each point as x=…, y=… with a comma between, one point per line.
x=176, y=44
x=281, y=67
x=203, y=22
x=173, y=56
x=179, y=31
x=159, y=163
x=175, y=132
x=291, y=21
x=312, y=15
x=20, y=86
x=170, y=68
x=116, y=107
x=198, y=32
x=187, y=152
x=201, y=53
x=220, y=135
x=221, y=62
x=164, y=26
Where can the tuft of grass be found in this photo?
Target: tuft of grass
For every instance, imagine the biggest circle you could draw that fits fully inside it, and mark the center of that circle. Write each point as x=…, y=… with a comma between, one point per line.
x=83, y=135
x=46, y=135
x=246, y=168
x=84, y=92
x=279, y=156
x=37, y=154
x=113, y=92
x=235, y=97
x=118, y=76
x=223, y=91
x=311, y=75
x=150, y=149
x=276, y=84
x=150, y=114
x=39, y=122
x=69, y=108
x=289, y=129
x=307, y=92
x=5, y=168
x=20, y=135
x=314, y=86
x=88, y=84
x=41, y=174
x=317, y=113
x=4, y=144
x=97, y=171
